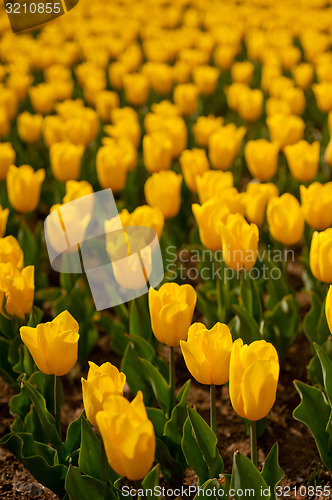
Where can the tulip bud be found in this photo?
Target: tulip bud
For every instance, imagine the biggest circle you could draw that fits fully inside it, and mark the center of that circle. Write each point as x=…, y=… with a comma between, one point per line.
x=128, y=436
x=208, y=217
x=303, y=160
x=18, y=289
x=106, y=100
x=213, y=184
x=102, y=381
x=328, y=308
x=22, y=180
x=42, y=98
x=262, y=158
x=4, y=212
x=276, y=106
x=204, y=127
x=77, y=189
x=295, y=99
x=29, y=127
x=193, y=163
x=157, y=152
x=111, y=170
x=285, y=219
x=328, y=154
x=250, y=104
x=224, y=56
x=303, y=75
x=144, y=216
x=206, y=79
x=186, y=98
x=163, y=190
x=323, y=94
x=316, y=201
x=239, y=242
x=66, y=159
x=242, y=72
x=253, y=378
x=224, y=145
x=321, y=255
x=53, y=345
x=285, y=129
x=207, y=353
x=171, y=310
x=10, y=251
x=7, y=158
x=257, y=197
x=136, y=88
x=53, y=130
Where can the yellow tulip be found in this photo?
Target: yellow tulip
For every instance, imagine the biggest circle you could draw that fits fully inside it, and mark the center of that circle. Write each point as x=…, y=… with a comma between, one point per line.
x=285, y=218
x=193, y=163
x=186, y=98
x=29, y=127
x=4, y=212
x=171, y=310
x=213, y=183
x=276, y=106
x=7, y=158
x=279, y=85
x=285, y=129
x=128, y=436
x=106, y=100
x=290, y=56
x=206, y=79
x=204, y=127
x=207, y=353
x=125, y=128
x=4, y=123
x=111, y=170
x=262, y=158
x=295, y=99
x=20, y=181
x=250, y=104
x=242, y=72
x=239, y=242
x=224, y=56
x=257, y=197
x=8, y=102
x=144, y=215
x=10, y=251
x=66, y=159
x=77, y=189
x=233, y=92
x=328, y=308
x=316, y=201
x=116, y=73
x=157, y=152
x=42, y=97
x=323, y=94
x=18, y=289
x=176, y=130
x=136, y=88
x=53, y=130
x=208, y=217
x=303, y=75
x=53, y=345
x=303, y=160
x=163, y=190
x=161, y=77
x=269, y=73
x=102, y=381
x=328, y=154
x=253, y=378
x=224, y=145
x=321, y=255
x=123, y=150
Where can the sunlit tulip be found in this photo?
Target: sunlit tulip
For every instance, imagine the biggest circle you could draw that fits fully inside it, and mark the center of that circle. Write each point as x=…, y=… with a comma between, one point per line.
x=233, y=92
x=257, y=197
x=76, y=189
x=136, y=88
x=7, y=158
x=157, y=152
x=321, y=255
x=276, y=106
x=224, y=145
x=224, y=56
x=206, y=79
x=316, y=202
x=328, y=308
x=17, y=286
x=186, y=98
x=193, y=163
x=106, y=100
x=66, y=159
x=208, y=217
x=250, y=104
x=204, y=127
x=8, y=102
x=253, y=378
x=10, y=251
x=42, y=97
x=295, y=99
x=328, y=154
x=53, y=345
x=4, y=212
x=111, y=170
x=262, y=158
x=303, y=160
x=128, y=436
x=303, y=75
x=212, y=184
x=116, y=72
x=29, y=127
x=285, y=218
x=207, y=353
x=163, y=190
x=285, y=129
x=53, y=130
x=161, y=77
x=323, y=94
x=102, y=381
x=144, y=215
x=171, y=310
x=20, y=181
x=242, y=72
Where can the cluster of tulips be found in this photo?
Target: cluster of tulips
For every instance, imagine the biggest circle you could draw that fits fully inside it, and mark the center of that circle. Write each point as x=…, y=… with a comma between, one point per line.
x=211, y=122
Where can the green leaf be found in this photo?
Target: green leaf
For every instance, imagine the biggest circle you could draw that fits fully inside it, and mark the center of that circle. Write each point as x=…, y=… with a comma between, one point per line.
x=221, y=487
x=150, y=481
x=183, y=393
x=251, y=298
x=82, y=487
x=39, y=459
x=193, y=454
x=314, y=411
x=244, y=326
x=6, y=371
x=145, y=348
x=272, y=472
x=171, y=468
x=139, y=319
x=174, y=427
x=28, y=244
x=73, y=437
x=89, y=458
x=136, y=375
x=158, y=419
x=326, y=364
x=159, y=385
x=315, y=323
x=246, y=477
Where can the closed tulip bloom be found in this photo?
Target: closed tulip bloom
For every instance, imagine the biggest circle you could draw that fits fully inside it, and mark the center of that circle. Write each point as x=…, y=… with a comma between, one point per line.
x=163, y=190
x=242, y=72
x=323, y=94
x=285, y=129
x=102, y=381
x=136, y=88
x=206, y=79
x=233, y=92
x=262, y=158
x=144, y=215
x=171, y=310
x=7, y=158
x=303, y=75
x=250, y=104
x=53, y=130
x=77, y=189
x=160, y=76
x=224, y=145
x=20, y=181
x=29, y=127
x=316, y=202
x=106, y=100
x=17, y=286
x=193, y=163
x=10, y=251
x=257, y=197
x=4, y=212
x=295, y=99
x=321, y=255
x=212, y=184
x=42, y=98
x=239, y=242
x=285, y=218
x=4, y=123
x=66, y=160
x=116, y=73
x=328, y=154
x=253, y=378
x=303, y=160
x=207, y=353
x=111, y=171
x=276, y=106
x=128, y=436
x=176, y=130
x=328, y=308
x=124, y=150
x=224, y=56
x=157, y=152
x=53, y=345
x=186, y=98
x=208, y=217
x=204, y=127
x=8, y=102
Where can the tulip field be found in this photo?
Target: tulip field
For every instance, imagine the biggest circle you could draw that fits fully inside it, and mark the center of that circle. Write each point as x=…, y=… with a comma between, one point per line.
x=189, y=353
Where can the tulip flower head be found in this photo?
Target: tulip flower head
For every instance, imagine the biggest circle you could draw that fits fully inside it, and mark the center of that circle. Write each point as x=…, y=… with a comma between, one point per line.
x=321, y=255
x=17, y=287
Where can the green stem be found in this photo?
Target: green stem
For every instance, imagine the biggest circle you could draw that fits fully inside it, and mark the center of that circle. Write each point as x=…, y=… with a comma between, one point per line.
x=213, y=414
x=103, y=462
x=253, y=443
x=57, y=403
x=171, y=378
x=219, y=290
